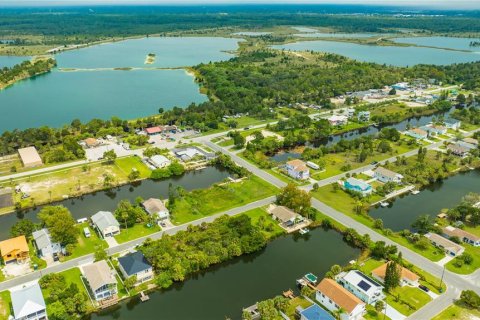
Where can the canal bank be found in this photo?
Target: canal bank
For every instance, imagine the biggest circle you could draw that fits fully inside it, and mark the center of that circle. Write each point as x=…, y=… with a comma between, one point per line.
x=223, y=290
x=431, y=200
x=89, y=204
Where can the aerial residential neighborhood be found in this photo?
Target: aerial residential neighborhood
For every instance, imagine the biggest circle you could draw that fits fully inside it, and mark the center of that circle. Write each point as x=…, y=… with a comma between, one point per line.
x=255, y=161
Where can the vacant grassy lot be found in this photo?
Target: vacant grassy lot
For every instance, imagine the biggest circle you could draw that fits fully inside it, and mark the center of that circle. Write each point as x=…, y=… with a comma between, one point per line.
x=5, y=301
x=269, y=227
x=137, y=231
x=201, y=203
x=407, y=299
x=129, y=163
x=458, y=312
x=86, y=245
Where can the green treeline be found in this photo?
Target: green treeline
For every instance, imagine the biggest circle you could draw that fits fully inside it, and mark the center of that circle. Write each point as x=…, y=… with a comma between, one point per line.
x=24, y=70
x=178, y=256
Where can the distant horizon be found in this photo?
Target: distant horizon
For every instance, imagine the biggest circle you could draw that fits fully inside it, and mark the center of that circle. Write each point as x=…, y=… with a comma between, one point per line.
x=425, y=4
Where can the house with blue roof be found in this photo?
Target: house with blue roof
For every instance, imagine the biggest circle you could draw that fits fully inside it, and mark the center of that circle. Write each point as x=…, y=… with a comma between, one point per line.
x=135, y=264
x=357, y=185
x=315, y=312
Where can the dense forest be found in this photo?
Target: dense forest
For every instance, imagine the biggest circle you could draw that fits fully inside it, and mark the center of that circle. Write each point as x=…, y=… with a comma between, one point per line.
x=84, y=24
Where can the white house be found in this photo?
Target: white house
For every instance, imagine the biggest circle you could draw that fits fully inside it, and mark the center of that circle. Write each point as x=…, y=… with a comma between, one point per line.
x=451, y=248
x=363, y=287
x=101, y=280
x=160, y=161
x=338, y=120
x=384, y=175
x=106, y=224
x=156, y=207
x=333, y=297
x=297, y=169
x=28, y=303
x=407, y=277
x=452, y=124
x=135, y=264
x=43, y=243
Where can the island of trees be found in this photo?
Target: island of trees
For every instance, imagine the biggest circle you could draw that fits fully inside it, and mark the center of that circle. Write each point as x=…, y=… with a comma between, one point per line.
x=25, y=70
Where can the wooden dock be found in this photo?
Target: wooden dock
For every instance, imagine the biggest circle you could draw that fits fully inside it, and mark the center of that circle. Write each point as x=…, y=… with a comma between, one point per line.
x=144, y=297
x=288, y=294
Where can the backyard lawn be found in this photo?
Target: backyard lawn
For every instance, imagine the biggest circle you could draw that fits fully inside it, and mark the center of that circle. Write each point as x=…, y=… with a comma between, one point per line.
x=466, y=268
x=5, y=301
x=137, y=231
x=126, y=164
x=407, y=299
x=255, y=215
x=294, y=303
x=204, y=202
x=86, y=245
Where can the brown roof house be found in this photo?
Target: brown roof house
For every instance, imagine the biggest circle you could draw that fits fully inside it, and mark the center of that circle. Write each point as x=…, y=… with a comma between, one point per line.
x=297, y=169
x=157, y=208
x=407, y=276
x=30, y=157
x=283, y=214
x=463, y=235
x=101, y=280
x=451, y=248
x=334, y=297
x=15, y=250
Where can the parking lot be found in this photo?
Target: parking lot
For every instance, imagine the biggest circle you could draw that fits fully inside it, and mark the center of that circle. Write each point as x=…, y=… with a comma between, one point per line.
x=170, y=140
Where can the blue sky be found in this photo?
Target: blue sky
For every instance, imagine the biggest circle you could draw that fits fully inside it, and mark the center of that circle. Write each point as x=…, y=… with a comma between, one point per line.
x=453, y=4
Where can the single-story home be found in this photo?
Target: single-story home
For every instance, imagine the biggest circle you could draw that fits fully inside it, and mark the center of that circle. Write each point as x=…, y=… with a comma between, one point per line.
x=297, y=169
x=283, y=214
x=15, y=250
x=155, y=206
x=471, y=141
x=106, y=224
x=384, y=175
x=463, y=235
x=334, y=297
x=188, y=154
x=30, y=157
x=363, y=116
x=28, y=303
x=338, y=120
x=451, y=248
x=362, y=286
x=457, y=150
x=357, y=185
x=417, y=133
x=101, y=280
x=44, y=244
x=314, y=312
x=160, y=161
x=135, y=264
x=452, y=124
x=407, y=277
x=466, y=145
x=434, y=129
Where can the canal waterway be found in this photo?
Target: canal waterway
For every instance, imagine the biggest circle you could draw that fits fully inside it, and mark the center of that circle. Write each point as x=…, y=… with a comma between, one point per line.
x=390, y=55
x=222, y=291
x=431, y=200
x=88, y=205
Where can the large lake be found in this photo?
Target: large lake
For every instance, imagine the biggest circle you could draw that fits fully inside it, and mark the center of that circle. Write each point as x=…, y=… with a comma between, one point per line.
x=390, y=55
x=58, y=97
x=10, y=61
x=441, y=42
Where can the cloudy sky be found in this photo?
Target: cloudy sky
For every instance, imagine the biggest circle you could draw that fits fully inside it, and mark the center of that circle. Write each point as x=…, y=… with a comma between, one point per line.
x=453, y=4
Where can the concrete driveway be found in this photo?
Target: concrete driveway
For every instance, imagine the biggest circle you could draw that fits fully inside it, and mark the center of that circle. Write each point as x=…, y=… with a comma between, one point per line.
x=392, y=313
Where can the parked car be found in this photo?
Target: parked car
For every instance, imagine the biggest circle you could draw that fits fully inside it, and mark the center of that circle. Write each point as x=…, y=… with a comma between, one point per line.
x=424, y=288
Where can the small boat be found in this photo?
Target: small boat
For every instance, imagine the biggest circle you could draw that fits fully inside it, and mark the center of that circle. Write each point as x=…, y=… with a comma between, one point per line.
x=384, y=204
x=304, y=231
x=415, y=191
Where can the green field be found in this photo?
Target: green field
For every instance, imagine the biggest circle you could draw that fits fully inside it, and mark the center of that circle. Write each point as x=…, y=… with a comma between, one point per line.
x=137, y=231
x=407, y=299
x=201, y=203
x=458, y=312
x=128, y=163
x=5, y=301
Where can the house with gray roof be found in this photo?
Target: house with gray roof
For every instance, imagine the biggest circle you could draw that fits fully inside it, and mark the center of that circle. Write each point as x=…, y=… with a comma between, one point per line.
x=156, y=207
x=135, y=264
x=106, y=224
x=43, y=243
x=28, y=303
x=101, y=280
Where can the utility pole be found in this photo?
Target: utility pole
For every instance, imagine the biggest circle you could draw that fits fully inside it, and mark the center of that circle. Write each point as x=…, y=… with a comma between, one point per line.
x=441, y=279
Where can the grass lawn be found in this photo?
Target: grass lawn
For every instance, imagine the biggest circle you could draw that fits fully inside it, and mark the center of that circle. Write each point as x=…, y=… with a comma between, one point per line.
x=341, y=201
x=294, y=303
x=369, y=265
x=126, y=164
x=204, y=202
x=409, y=299
x=466, y=268
x=373, y=314
x=5, y=301
x=137, y=231
x=458, y=312
x=41, y=264
x=86, y=245
x=271, y=228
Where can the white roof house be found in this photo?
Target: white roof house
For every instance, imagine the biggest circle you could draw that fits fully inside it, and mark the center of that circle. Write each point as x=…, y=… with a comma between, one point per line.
x=384, y=175
x=106, y=223
x=28, y=303
x=160, y=161
x=188, y=153
x=44, y=244
x=365, y=288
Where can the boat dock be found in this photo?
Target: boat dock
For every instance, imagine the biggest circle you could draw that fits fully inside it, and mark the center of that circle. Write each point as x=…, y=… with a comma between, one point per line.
x=144, y=297
x=288, y=294
x=394, y=194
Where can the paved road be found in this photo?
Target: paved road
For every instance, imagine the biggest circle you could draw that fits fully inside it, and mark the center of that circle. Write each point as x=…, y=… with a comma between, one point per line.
x=8, y=284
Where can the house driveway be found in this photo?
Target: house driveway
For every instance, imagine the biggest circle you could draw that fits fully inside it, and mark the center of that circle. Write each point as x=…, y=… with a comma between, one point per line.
x=15, y=270
x=392, y=313
x=111, y=242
